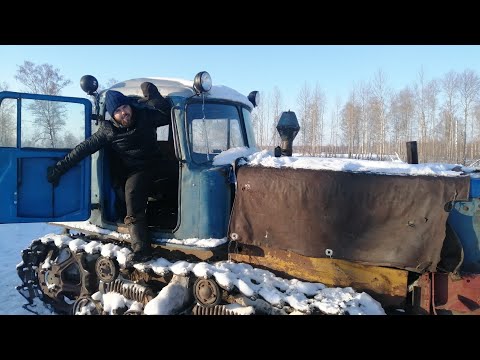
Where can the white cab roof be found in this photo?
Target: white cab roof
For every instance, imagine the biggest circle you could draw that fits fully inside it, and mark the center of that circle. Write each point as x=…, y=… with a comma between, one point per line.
x=179, y=87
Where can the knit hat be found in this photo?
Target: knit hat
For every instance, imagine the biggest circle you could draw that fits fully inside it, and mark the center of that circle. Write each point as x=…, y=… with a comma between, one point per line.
x=114, y=99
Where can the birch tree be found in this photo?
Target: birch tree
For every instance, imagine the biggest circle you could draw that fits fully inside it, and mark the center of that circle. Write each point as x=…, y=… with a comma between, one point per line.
x=364, y=94
x=277, y=109
x=303, y=102
x=449, y=118
x=48, y=115
x=317, y=112
x=421, y=106
x=350, y=121
x=469, y=86
x=380, y=93
x=431, y=97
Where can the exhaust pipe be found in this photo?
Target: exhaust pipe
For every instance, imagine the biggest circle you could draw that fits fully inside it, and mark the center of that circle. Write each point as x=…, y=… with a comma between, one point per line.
x=288, y=129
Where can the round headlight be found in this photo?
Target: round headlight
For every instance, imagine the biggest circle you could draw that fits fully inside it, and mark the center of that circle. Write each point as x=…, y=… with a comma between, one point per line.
x=202, y=82
x=254, y=98
x=89, y=84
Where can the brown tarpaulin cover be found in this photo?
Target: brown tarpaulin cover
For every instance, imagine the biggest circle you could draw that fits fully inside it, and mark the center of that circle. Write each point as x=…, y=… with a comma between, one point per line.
x=384, y=220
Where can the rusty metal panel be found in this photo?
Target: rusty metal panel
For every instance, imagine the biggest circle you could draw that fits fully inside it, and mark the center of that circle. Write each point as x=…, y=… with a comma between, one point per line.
x=382, y=220
x=386, y=285
x=456, y=294
x=421, y=295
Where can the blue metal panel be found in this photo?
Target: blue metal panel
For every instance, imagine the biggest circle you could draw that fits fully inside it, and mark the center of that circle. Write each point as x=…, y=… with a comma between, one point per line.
x=26, y=194
x=465, y=221
x=215, y=197
x=189, y=203
x=8, y=183
x=34, y=191
x=474, y=187
x=205, y=202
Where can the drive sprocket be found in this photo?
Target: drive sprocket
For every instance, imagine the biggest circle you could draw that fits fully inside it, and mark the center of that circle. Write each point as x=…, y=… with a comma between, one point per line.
x=64, y=276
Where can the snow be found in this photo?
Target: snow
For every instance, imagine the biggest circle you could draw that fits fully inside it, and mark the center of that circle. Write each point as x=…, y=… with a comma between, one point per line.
x=251, y=282
x=230, y=155
x=13, y=239
x=266, y=158
x=87, y=226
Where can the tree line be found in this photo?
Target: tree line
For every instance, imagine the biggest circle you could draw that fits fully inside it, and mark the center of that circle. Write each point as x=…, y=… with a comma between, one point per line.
x=441, y=114
x=376, y=121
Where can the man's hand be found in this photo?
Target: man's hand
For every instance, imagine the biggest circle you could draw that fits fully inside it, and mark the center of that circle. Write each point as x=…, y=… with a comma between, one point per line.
x=53, y=175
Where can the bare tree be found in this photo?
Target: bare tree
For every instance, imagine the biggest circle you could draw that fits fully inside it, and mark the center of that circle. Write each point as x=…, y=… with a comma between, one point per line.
x=401, y=114
x=431, y=96
x=277, y=111
x=350, y=122
x=469, y=86
x=8, y=124
x=41, y=79
x=450, y=120
x=303, y=101
x=421, y=105
x=380, y=94
x=48, y=115
x=335, y=116
x=261, y=123
x=364, y=94
x=317, y=111
x=476, y=120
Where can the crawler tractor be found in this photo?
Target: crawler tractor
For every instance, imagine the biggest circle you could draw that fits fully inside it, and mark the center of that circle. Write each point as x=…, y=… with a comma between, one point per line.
x=409, y=242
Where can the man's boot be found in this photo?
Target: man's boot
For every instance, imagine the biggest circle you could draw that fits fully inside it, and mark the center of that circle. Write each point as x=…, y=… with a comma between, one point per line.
x=140, y=239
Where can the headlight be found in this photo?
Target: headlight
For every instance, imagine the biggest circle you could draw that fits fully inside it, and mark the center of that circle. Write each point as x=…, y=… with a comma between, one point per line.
x=89, y=84
x=202, y=82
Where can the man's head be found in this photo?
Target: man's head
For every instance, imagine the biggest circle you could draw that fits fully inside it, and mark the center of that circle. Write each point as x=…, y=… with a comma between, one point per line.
x=118, y=106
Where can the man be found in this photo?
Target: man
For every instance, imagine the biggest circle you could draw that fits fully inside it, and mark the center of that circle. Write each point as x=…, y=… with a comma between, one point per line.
x=131, y=135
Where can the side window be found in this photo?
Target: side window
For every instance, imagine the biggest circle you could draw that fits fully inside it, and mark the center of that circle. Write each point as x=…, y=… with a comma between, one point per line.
x=8, y=123
x=247, y=117
x=52, y=124
x=236, y=139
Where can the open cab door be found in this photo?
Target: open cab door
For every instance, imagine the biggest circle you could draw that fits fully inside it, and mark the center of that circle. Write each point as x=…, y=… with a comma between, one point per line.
x=35, y=132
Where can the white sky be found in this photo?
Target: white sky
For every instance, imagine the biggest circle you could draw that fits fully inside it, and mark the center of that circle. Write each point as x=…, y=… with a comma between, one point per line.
x=251, y=282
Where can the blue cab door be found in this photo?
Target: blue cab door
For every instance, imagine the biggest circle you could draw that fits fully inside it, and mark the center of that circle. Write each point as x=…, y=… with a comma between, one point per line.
x=35, y=132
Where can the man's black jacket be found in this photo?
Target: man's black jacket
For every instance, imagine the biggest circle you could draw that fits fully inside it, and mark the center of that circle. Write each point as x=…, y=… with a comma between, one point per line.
x=135, y=146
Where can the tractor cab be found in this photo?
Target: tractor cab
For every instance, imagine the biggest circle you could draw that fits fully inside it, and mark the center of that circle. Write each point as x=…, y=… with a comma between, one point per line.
x=192, y=197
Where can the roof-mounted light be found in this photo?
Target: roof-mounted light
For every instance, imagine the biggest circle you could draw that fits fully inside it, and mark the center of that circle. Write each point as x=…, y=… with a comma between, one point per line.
x=254, y=98
x=202, y=82
x=89, y=84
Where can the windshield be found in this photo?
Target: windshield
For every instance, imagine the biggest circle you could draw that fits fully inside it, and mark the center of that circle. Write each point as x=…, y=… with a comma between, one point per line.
x=213, y=128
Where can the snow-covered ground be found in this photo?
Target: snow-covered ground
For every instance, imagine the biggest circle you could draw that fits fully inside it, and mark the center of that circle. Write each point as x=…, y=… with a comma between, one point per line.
x=13, y=239
x=251, y=282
